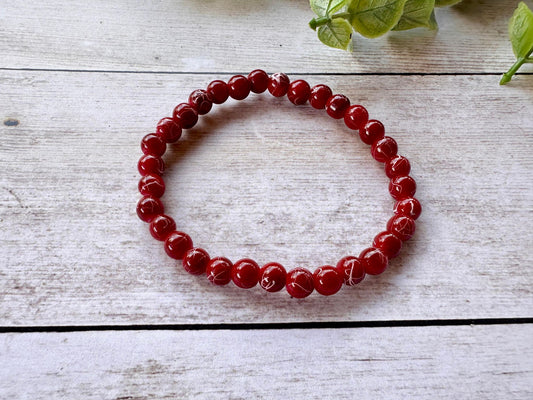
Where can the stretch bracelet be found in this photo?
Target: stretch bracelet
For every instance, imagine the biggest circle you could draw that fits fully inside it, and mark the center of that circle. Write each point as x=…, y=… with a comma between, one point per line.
x=272, y=277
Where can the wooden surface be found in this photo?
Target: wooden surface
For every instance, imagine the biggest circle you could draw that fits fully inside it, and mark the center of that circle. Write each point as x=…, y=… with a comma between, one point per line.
x=83, y=285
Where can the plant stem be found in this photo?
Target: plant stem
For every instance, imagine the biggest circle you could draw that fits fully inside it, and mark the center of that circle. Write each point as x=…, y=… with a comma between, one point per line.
x=319, y=21
x=521, y=60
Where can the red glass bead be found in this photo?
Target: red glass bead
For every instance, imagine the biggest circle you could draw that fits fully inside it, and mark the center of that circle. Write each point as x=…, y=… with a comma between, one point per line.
x=337, y=105
x=319, y=96
x=356, y=117
x=372, y=131
x=149, y=207
x=153, y=144
x=351, y=269
x=151, y=185
x=397, y=166
x=299, y=92
x=278, y=84
x=195, y=261
x=245, y=273
x=162, y=226
x=373, y=260
x=410, y=207
x=259, y=80
x=388, y=243
x=327, y=280
x=384, y=149
x=218, y=91
x=169, y=130
x=239, y=87
x=401, y=226
x=177, y=244
x=299, y=283
x=185, y=115
x=200, y=101
x=149, y=164
x=401, y=187
x=219, y=271
x=272, y=277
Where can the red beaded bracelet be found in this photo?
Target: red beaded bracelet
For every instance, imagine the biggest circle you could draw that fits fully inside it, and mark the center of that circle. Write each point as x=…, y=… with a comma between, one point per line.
x=272, y=277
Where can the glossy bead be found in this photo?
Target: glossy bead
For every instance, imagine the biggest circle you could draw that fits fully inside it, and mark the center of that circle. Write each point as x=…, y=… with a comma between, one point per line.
x=401, y=226
x=245, y=273
x=149, y=207
x=153, y=144
x=401, y=187
x=162, y=226
x=372, y=131
x=356, y=117
x=177, y=244
x=351, y=269
x=327, y=280
x=272, y=277
x=397, y=166
x=388, y=243
x=151, y=185
x=219, y=271
x=278, y=84
x=319, y=96
x=410, y=207
x=373, y=260
x=168, y=130
x=149, y=164
x=337, y=105
x=218, y=91
x=185, y=115
x=200, y=101
x=299, y=283
x=239, y=87
x=299, y=92
x=384, y=149
x=259, y=80
x=195, y=261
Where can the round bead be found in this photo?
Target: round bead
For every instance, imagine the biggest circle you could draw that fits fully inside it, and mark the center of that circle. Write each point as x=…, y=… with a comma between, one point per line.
x=169, y=130
x=388, y=243
x=245, y=273
x=384, y=149
x=200, y=101
x=319, y=96
x=299, y=283
x=356, y=117
x=299, y=92
x=153, y=144
x=401, y=187
x=239, y=87
x=373, y=260
x=278, y=84
x=218, y=91
x=337, y=105
x=149, y=164
x=272, y=277
x=351, y=269
x=151, y=185
x=162, y=226
x=177, y=244
x=410, y=207
x=185, y=115
x=219, y=271
x=401, y=226
x=327, y=280
x=259, y=80
x=372, y=131
x=195, y=261
x=397, y=166
x=149, y=207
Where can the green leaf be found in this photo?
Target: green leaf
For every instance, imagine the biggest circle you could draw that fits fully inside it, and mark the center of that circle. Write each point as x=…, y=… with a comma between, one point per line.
x=416, y=13
x=521, y=31
x=432, y=23
x=324, y=7
x=373, y=18
x=336, y=33
x=444, y=3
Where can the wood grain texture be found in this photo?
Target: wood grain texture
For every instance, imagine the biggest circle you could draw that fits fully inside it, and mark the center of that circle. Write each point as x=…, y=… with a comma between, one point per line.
x=186, y=35
x=259, y=180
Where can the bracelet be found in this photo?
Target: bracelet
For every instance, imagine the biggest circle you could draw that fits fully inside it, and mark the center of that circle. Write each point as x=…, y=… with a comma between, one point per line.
x=272, y=277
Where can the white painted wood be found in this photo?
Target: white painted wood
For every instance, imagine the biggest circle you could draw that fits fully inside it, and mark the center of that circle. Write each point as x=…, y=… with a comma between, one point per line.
x=237, y=35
